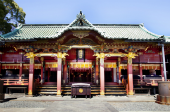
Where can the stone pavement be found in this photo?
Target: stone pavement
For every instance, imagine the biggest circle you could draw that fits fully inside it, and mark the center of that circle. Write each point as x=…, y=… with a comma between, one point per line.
x=96, y=104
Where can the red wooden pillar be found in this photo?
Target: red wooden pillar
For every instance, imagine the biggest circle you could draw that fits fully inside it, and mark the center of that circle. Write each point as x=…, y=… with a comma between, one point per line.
x=102, y=80
x=21, y=67
x=31, y=75
x=42, y=77
x=20, y=72
x=140, y=71
x=130, y=76
x=97, y=72
x=119, y=61
x=59, y=59
x=65, y=72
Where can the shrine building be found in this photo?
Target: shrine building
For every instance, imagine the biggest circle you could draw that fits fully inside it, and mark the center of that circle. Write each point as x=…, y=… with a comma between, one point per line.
x=113, y=58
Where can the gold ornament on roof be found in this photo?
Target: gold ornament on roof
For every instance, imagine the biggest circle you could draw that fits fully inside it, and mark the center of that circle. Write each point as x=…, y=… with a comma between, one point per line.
x=61, y=55
x=30, y=55
x=131, y=55
x=101, y=55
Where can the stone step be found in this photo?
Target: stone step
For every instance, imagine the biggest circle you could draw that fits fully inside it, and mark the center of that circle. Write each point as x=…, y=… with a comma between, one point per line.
x=112, y=93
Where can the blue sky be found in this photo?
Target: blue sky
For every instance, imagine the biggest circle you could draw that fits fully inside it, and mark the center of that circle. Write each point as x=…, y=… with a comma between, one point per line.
x=155, y=14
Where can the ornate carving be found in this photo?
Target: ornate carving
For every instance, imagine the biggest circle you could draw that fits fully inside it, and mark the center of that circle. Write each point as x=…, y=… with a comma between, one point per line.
x=80, y=34
x=30, y=55
x=30, y=49
x=100, y=39
x=101, y=55
x=61, y=39
x=131, y=55
x=131, y=49
x=84, y=41
x=61, y=55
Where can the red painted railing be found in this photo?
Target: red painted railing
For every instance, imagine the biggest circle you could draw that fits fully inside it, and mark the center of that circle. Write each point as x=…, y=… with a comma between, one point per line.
x=15, y=81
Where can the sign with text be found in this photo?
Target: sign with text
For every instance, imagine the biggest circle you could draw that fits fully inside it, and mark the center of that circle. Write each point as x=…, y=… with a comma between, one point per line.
x=80, y=54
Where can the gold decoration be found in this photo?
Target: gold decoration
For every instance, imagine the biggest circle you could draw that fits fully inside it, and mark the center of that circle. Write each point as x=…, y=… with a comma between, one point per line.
x=20, y=64
x=110, y=65
x=46, y=54
x=58, y=92
x=42, y=59
x=80, y=52
x=160, y=53
x=102, y=92
x=131, y=55
x=80, y=90
x=129, y=60
x=80, y=34
x=30, y=55
x=61, y=55
x=101, y=55
x=31, y=60
x=21, y=52
x=30, y=92
x=119, y=59
x=130, y=92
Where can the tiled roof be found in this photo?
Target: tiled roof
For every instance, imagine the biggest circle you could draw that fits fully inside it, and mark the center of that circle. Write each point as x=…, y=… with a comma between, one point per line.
x=167, y=39
x=112, y=31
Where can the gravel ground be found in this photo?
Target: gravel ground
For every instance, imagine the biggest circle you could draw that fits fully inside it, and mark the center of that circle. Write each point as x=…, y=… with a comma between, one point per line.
x=139, y=106
x=25, y=104
x=120, y=106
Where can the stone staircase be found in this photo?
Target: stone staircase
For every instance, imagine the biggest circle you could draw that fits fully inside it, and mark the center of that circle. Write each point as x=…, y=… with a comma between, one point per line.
x=115, y=90
x=110, y=90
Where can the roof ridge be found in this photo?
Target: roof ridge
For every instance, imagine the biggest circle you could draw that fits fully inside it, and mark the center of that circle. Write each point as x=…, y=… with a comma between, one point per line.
x=15, y=30
x=147, y=31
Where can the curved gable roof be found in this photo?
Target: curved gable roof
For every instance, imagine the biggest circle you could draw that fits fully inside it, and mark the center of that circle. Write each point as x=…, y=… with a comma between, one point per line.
x=112, y=31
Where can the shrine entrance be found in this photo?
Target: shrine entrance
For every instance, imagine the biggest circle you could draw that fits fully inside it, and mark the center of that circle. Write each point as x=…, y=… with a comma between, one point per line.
x=108, y=76
x=80, y=72
x=83, y=76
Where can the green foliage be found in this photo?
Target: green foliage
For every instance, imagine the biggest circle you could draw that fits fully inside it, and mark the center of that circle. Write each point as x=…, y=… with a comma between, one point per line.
x=10, y=15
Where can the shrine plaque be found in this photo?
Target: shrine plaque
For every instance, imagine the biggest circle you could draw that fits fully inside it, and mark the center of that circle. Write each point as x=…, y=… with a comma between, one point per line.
x=80, y=54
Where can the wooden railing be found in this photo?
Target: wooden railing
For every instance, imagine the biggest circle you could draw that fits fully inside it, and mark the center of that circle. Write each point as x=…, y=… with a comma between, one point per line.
x=15, y=81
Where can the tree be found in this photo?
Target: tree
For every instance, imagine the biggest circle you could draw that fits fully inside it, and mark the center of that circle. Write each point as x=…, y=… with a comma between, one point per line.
x=10, y=15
